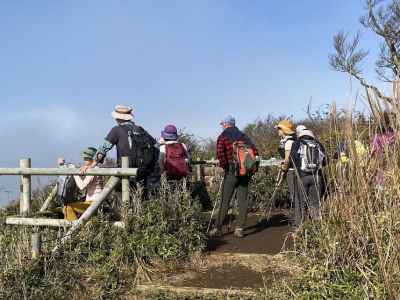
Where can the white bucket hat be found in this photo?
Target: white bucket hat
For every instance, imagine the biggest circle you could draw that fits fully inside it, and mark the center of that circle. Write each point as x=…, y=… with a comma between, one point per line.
x=122, y=112
x=302, y=130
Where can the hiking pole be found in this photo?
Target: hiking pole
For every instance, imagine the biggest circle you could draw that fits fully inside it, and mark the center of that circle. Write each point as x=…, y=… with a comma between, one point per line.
x=215, y=205
x=275, y=192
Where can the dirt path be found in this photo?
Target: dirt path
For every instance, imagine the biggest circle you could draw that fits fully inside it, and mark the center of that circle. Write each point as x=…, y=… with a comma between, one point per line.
x=261, y=236
x=238, y=266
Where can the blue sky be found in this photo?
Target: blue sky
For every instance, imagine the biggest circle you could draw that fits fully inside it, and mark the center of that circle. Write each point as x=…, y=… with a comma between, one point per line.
x=65, y=64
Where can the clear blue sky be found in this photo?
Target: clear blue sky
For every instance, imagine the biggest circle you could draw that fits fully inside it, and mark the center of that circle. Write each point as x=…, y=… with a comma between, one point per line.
x=65, y=64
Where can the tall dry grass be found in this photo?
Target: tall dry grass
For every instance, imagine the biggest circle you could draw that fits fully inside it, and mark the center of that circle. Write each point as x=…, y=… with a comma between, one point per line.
x=353, y=252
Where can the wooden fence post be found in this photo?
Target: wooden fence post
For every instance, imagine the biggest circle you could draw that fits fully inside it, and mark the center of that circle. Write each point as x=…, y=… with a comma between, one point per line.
x=36, y=241
x=198, y=173
x=25, y=200
x=125, y=182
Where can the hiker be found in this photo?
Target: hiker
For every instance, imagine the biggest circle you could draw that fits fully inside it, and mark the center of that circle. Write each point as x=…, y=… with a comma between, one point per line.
x=385, y=138
x=237, y=155
x=93, y=184
x=308, y=157
x=381, y=145
x=287, y=133
x=174, y=155
x=134, y=142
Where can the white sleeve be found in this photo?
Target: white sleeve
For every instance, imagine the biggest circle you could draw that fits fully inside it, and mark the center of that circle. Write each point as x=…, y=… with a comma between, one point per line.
x=82, y=184
x=288, y=145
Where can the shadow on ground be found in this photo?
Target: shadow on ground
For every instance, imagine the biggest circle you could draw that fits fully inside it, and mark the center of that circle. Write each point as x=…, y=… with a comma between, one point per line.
x=265, y=236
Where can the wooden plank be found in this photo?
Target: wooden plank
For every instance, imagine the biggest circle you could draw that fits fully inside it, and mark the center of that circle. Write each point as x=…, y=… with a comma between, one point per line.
x=36, y=241
x=125, y=182
x=39, y=222
x=151, y=288
x=272, y=162
x=112, y=182
x=50, y=198
x=68, y=171
x=47, y=222
x=198, y=173
x=25, y=202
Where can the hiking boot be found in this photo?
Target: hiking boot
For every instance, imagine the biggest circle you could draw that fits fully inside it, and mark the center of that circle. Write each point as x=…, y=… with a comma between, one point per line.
x=215, y=232
x=239, y=233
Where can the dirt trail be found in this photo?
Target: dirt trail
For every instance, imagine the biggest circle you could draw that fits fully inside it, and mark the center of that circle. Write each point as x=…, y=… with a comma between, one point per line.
x=261, y=236
x=241, y=265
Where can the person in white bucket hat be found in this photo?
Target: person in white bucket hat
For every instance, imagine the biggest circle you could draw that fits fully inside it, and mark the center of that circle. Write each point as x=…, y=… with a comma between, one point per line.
x=131, y=141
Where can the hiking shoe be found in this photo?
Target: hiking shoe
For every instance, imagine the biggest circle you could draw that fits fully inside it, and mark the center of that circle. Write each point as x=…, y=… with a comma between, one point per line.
x=215, y=232
x=239, y=233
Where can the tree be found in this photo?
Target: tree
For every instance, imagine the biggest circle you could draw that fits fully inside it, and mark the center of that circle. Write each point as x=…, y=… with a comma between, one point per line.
x=383, y=19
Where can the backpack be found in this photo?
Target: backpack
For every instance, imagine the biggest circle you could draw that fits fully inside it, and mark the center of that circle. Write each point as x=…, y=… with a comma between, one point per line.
x=244, y=158
x=68, y=191
x=175, y=163
x=312, y=156
x=282, y=143
x=143, y=153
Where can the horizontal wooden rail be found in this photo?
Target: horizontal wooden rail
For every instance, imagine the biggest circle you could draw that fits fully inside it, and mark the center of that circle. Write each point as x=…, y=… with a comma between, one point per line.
x=47, y=222
x=68, y=171
x=38, y=222
x=263, y=162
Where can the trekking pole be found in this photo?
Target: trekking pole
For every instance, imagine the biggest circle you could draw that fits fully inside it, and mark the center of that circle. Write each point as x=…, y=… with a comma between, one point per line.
x=215, y=205
x=274, y=193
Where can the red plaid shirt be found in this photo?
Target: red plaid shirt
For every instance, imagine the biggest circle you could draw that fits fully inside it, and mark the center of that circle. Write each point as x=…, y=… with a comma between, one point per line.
x=225, y=151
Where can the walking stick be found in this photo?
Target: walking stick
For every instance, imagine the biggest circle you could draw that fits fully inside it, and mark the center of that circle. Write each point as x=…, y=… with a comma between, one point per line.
x=215, y=205
x=275, y=193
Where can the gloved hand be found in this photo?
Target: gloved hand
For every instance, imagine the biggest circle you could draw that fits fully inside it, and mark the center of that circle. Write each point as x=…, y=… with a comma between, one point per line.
x=279, y=179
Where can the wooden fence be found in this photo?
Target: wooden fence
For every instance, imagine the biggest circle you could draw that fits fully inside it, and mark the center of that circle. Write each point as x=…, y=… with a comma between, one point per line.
x=116, y=175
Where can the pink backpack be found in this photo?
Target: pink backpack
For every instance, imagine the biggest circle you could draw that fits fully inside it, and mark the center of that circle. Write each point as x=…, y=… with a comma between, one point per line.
x=175, y=165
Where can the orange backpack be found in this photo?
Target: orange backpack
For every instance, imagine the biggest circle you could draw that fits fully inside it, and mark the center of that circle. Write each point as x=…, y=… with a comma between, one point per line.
x=244, y=158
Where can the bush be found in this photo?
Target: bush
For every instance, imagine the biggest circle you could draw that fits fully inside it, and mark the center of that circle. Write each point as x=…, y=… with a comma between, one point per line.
x=102, y=259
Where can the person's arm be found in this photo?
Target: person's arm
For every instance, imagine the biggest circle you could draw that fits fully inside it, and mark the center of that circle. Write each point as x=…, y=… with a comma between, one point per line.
x=83, y=183
x=287, y=161
x=109, y=142
x=188, y=156
x=221, y=156
x=161, y=158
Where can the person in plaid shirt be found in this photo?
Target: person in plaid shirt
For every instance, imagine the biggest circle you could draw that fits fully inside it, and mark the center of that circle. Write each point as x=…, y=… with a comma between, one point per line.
x=231, y=181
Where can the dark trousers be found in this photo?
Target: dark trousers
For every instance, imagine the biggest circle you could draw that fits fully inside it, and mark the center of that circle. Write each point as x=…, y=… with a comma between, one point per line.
x=308, y=198
x=230, y=184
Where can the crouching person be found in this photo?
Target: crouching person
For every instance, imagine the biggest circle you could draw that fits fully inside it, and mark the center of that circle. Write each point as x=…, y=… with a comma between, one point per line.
x=237, y=156
x=94, y=185
x=309, y=157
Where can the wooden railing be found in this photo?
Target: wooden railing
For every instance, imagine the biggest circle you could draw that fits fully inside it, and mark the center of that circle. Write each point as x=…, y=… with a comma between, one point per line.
x=25, y=171
x=116, y=174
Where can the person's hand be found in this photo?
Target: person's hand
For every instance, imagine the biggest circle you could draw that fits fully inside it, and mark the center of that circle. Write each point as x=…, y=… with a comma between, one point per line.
x=84, y=169
x=279, y=183
x=279, y=179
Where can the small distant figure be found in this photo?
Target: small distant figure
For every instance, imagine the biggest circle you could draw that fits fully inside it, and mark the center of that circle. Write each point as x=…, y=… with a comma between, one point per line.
x=61, y=161
x=385, y=137
x=237, y=155
x=382, y=146
x=93, y=184
x=174, y=156
x=309, y=157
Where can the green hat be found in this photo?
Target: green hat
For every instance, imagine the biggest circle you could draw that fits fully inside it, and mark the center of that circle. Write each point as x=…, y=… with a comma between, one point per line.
x=89, y=153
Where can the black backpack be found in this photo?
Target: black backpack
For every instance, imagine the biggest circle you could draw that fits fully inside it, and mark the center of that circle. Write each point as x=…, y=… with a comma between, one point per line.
x=68, y=191
x=143, y=153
